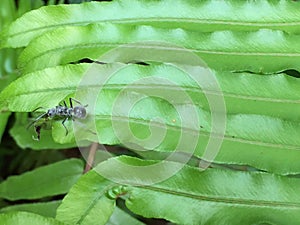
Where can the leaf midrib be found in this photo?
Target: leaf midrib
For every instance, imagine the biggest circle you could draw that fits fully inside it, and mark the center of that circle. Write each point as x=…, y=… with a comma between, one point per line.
x=203, y=133
x=215, y=52
x=165, y=87
x=232, y=201
x=249, y=202
x=165, y=19
x=101, y=193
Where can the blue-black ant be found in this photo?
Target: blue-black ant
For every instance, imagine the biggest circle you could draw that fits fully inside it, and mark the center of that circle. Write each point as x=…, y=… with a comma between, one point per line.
x=60, y=111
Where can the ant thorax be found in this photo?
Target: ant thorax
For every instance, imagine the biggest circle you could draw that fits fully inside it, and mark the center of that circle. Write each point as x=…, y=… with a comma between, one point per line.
x=60, y=111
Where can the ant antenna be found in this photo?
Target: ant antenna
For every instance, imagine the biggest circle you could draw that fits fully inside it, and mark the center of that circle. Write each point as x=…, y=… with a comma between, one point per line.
x=38, y=109
x=38, y=118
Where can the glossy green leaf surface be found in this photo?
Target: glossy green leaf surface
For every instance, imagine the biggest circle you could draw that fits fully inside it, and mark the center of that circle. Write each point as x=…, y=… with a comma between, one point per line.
x=263, y=51
x=274, y=95
x=190, y=196
x=49, y=180
x=56, y=85
x=262, y=114
x=93, y=204
x=218, y=197
x=47, y=209
x=25, y=218
x=197, y=15
x=86, y=198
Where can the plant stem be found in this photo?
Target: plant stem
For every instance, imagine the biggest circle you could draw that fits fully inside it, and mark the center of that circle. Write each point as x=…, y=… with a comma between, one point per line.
x=91, y=157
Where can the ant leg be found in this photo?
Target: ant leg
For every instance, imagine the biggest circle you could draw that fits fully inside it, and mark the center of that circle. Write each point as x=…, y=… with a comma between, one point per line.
x=38, y=108
x=71, y=102
x=63, y=123
x=64, y=104
x=37, y=119
x=73, y=99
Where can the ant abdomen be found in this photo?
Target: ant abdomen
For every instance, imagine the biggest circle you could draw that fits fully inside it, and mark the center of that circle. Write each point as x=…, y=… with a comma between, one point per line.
x=79, y=112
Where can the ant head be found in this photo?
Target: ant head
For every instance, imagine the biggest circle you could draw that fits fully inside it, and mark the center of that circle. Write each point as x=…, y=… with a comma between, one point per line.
x=51, y=112
x=79, y=112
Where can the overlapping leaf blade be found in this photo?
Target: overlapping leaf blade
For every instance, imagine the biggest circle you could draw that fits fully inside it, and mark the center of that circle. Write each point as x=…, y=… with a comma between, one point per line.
x=247, y=135
x=196, y=15
x=89, y=200
x=190, y=196
x=58, y=84
x=245, y=93
x=45, y=181
x=263, y=51
x=218, y=197
x=47, y=209
x=26, y=218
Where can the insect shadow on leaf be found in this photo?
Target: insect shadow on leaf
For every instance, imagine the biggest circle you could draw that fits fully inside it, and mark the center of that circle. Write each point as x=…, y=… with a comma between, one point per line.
x=59, y=112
